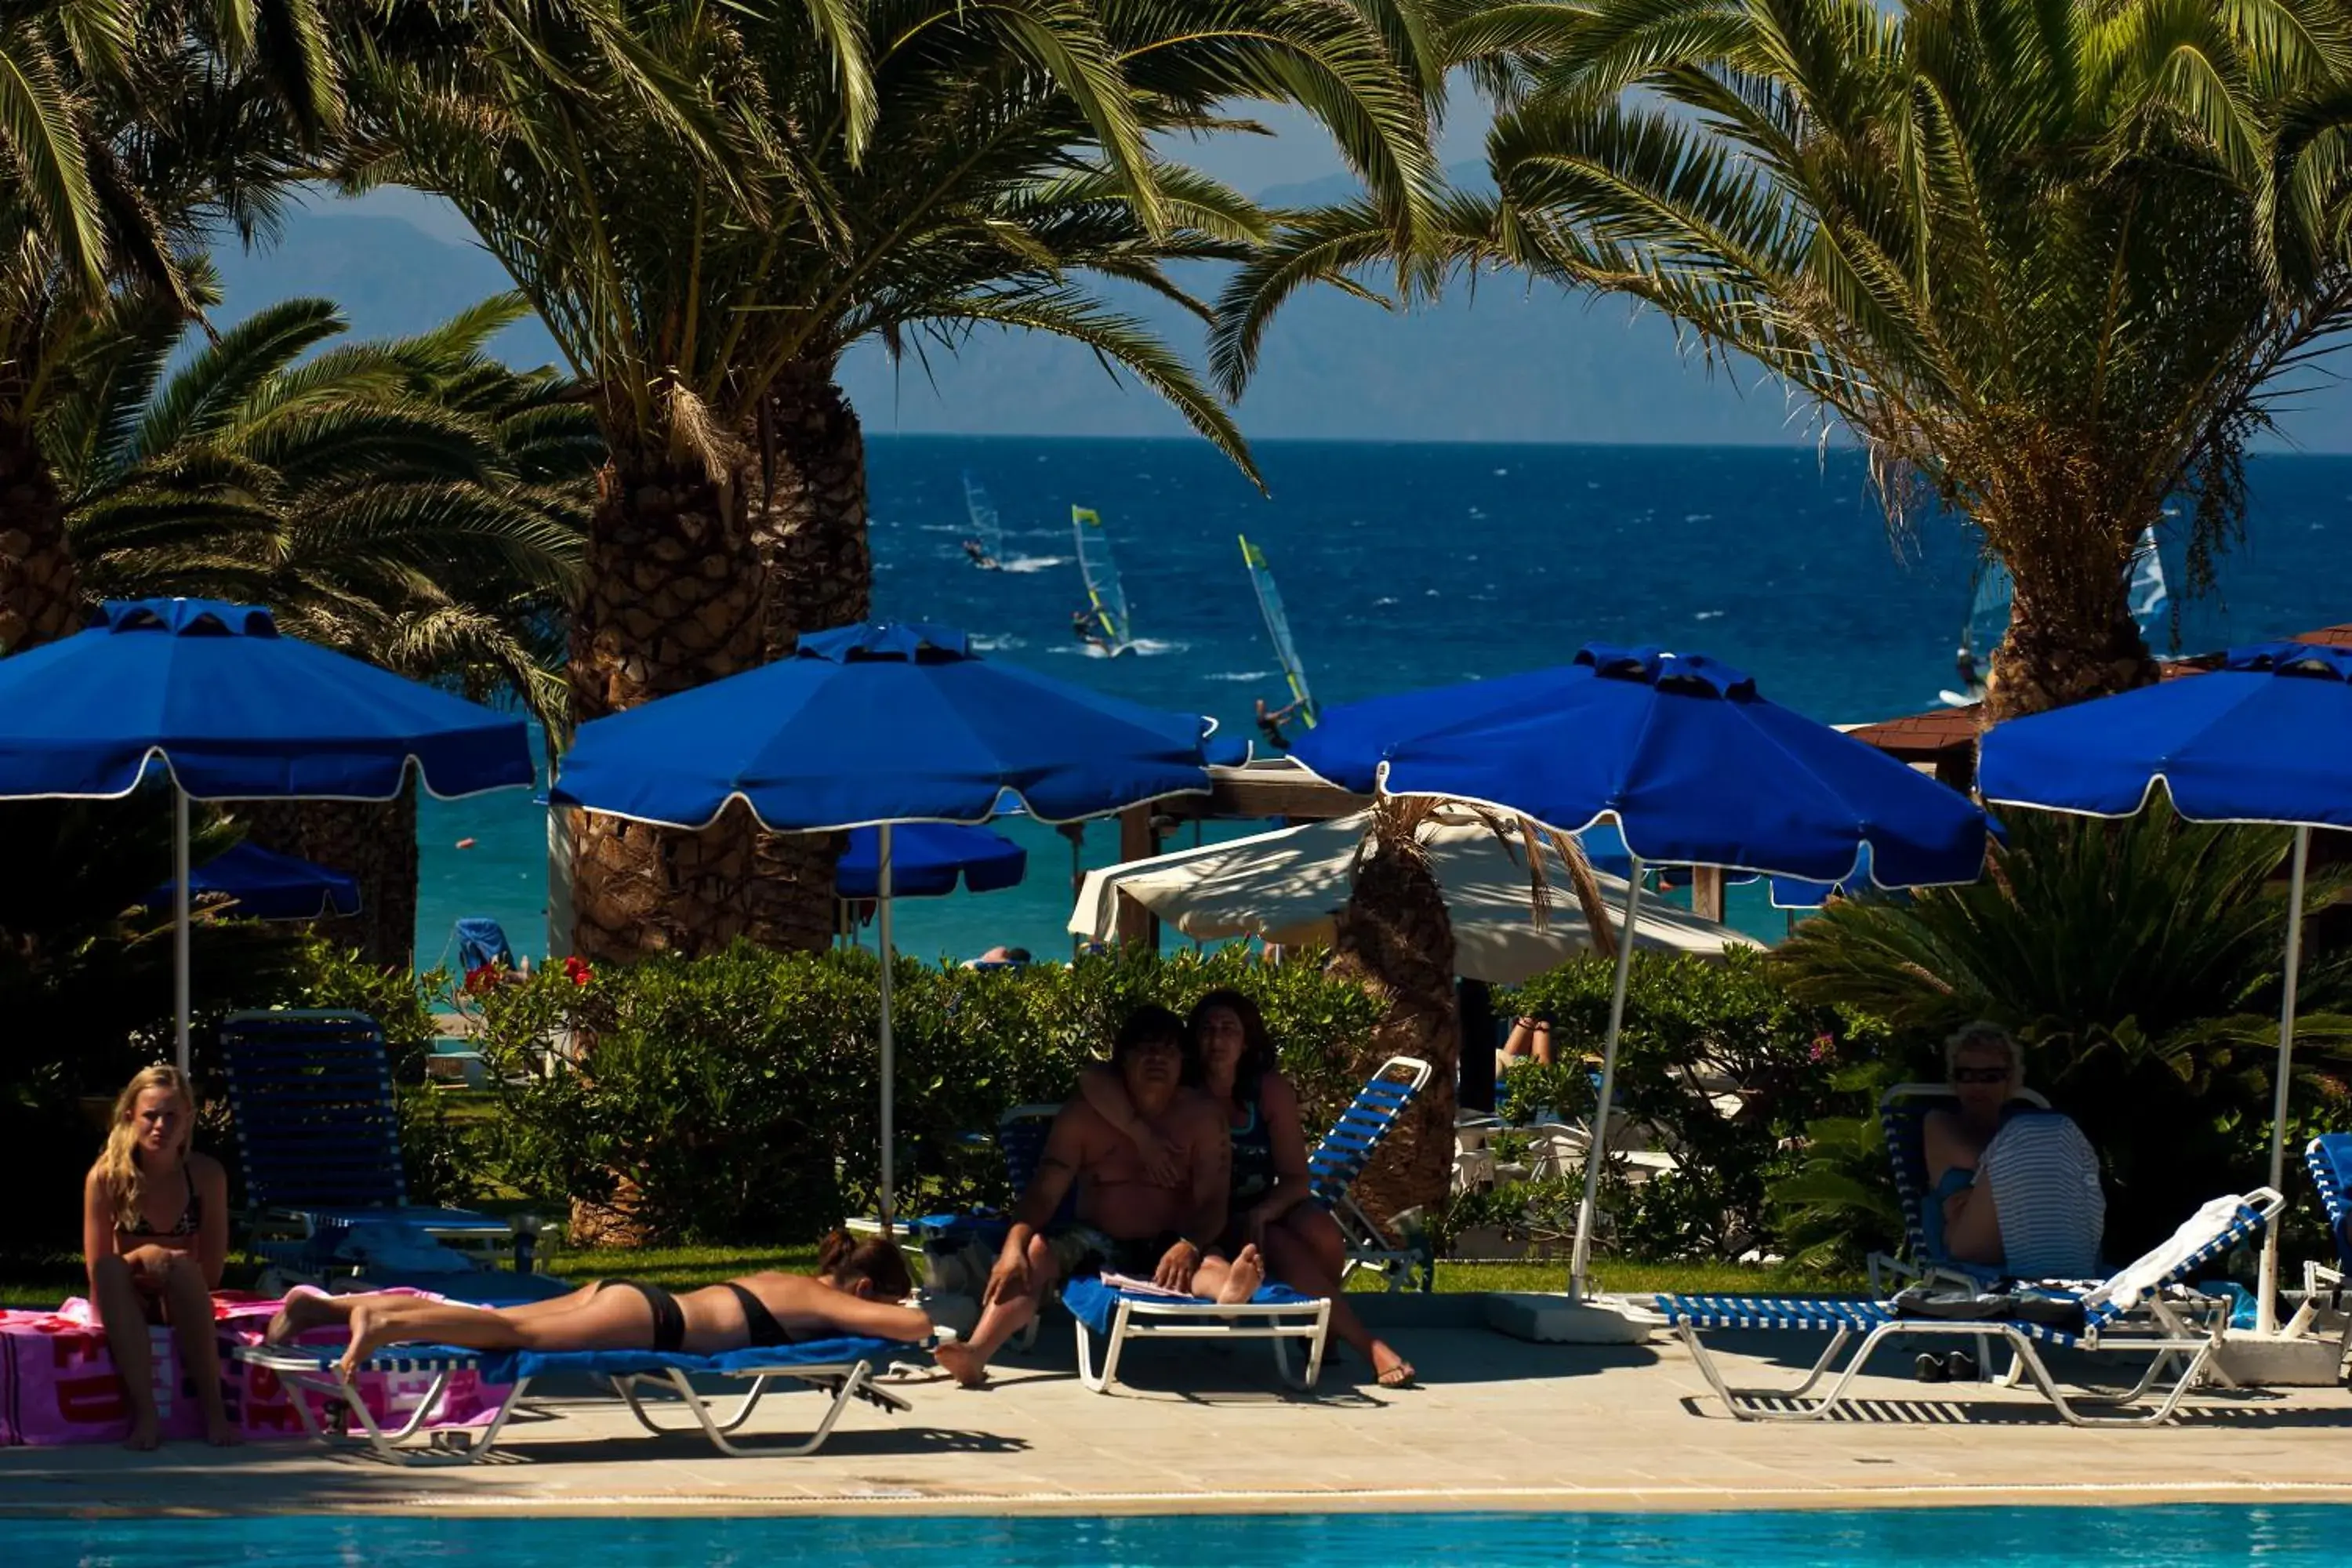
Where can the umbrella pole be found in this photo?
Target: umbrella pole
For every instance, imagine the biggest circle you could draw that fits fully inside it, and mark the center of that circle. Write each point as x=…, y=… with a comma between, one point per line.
x=882, y=937
x=2266, y=1307
x=180, y=921
x=1595, y=1150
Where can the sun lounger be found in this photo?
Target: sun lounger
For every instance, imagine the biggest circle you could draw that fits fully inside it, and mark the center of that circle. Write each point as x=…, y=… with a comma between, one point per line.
x=845, y=1368
x=2329, y=1158
x=1903, y=1113
x=318, y=1131
x=1339, y=1159
x=1118, y=1311
x=2135, y=1311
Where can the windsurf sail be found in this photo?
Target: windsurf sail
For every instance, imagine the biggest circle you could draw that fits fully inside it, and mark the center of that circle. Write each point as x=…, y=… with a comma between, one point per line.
x=1277, y=630
x=986, y=526
x=1103, y=592
x=1988, y=610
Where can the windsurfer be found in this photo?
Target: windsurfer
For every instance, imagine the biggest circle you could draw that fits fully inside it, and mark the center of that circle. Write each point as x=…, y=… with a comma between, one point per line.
x=1270, y=721
x=979, y=555
x=1087, y=626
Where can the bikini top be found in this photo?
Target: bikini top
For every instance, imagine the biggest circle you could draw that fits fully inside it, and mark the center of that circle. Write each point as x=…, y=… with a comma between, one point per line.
x=191, y=1220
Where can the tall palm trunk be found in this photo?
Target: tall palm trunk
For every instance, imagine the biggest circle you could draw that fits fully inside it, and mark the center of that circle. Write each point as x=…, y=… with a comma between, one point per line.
x=673, y=601
x=1394, y=937
x=372, y=842
x=809, y=528
x=2071, y=638
x=40, y=597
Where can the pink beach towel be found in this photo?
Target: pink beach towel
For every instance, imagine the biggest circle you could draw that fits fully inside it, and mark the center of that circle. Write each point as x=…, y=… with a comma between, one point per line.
x=57, y=1382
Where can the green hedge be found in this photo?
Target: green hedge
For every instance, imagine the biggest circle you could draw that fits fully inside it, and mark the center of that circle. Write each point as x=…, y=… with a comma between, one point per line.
x=736, y=1093
x=1690, y=1025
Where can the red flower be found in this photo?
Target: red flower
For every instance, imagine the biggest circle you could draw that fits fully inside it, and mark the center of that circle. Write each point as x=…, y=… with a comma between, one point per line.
x=577, y=969
x=482, y=978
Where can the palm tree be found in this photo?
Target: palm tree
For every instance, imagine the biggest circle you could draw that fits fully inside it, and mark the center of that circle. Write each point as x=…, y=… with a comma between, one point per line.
x=412, y=502
x=2046, y=263
x=135, y=129
x=709, y=207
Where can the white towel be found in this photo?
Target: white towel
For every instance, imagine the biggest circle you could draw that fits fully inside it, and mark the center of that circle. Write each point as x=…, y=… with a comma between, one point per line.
x=2145, y=1273
x=2045, y=1180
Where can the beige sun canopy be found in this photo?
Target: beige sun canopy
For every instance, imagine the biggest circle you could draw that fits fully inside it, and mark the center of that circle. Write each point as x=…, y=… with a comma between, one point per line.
x=1287, y=886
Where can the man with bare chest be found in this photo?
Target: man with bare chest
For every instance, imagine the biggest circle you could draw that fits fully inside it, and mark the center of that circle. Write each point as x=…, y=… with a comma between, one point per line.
x=1127, y=1223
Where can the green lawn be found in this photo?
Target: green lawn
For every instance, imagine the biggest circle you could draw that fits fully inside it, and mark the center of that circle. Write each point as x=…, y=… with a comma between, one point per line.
x=44, y=1279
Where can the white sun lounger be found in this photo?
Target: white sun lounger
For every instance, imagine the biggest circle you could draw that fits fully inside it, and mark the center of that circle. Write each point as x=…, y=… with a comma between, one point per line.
x=2129, y=1313
x=841, y=1367
x=1119, y=1311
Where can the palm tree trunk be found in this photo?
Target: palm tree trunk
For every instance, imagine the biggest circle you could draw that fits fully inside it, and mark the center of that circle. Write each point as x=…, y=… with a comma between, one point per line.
x=1395, y=938
x=2070, y=633
x=809, y=528
x=40, y=593
x=672, y=600
x=372, y=842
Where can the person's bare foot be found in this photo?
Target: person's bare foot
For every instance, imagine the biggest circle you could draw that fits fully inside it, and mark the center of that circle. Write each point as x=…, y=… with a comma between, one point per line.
x=372, y=1328
x=221, y=1433
x=304, y=1308
x=1392, y=1370
x=1243, y=1278
x=146, y=1434
x=963, y=1362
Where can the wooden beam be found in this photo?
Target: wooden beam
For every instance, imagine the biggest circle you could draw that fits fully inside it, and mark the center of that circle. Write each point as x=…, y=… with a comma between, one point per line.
x=1251, y=794
x=1706, y=892
x=1139, y=839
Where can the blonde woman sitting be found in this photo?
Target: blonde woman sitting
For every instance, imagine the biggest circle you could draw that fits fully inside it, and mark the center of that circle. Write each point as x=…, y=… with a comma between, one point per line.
x=154, y=1232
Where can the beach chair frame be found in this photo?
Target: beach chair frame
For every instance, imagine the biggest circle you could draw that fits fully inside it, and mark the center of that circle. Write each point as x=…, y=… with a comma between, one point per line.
x=1337, y=1162
x=2182, y=1333
x=313, y=1370
x=1137, y=1318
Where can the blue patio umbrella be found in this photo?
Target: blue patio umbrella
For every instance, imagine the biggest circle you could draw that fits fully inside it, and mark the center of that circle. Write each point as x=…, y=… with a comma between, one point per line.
x=232, y=710
x=928, y=860
x=1796, y=893
x=1693, y=766
x=2267, y=738
x=880, y=725
x=266, y=886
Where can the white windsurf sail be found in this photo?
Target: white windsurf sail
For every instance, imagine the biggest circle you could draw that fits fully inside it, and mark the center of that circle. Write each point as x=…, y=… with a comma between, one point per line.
x=1103, y=592
x=1988, y=609
x=986, y=527
x=1277, y=630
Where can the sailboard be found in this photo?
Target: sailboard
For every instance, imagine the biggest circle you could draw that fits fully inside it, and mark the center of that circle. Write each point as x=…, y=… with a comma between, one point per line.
x=1105, y=594
x=1277, y=629
x=1988, y=608
x=986, y=527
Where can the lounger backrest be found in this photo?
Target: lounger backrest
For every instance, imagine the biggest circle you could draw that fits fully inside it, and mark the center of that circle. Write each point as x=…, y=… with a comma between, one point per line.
x=2330, y=1159
x=2211, y=1233
x=1340, y=1158
x=316, y=1126
x=481, y=939
x=1903, y=1113
x=1021, y=1138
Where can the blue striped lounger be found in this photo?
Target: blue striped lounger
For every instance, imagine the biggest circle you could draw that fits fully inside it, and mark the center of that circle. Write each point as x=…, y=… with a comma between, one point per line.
x=841, y=1367
x=1118, y=1316
x=2131, y=1313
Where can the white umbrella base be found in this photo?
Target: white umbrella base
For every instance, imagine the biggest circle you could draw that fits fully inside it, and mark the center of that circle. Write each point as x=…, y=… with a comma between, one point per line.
x=2251, y=1360
x=1551, y=1320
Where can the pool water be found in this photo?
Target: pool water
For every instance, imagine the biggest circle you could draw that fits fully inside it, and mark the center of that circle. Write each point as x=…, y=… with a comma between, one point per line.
x=2283, y=1537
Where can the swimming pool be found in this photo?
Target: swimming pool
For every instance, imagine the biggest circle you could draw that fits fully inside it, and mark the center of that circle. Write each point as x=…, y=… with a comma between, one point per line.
x=2283, y=1537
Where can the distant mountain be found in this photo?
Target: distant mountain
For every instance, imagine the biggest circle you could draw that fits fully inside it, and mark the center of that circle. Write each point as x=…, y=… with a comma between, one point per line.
x=1503, y=361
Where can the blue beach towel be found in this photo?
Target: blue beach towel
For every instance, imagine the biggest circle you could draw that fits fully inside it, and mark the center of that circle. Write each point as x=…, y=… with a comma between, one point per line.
x=1094, y=1304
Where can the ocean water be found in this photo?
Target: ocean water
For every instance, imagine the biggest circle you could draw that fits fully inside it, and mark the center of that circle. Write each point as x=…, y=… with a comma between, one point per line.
x=1408, y=565
x=2182, y=1537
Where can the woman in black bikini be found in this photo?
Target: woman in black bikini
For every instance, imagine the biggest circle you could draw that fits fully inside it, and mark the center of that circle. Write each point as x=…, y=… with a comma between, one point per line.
x=855, y=1291
x=154, y=1234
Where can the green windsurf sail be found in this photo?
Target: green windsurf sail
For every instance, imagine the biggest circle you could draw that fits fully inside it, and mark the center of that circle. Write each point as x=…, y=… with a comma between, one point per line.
x=1277, y=630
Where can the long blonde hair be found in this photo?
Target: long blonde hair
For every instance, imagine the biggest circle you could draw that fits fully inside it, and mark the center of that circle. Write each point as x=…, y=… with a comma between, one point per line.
x=117, y=1164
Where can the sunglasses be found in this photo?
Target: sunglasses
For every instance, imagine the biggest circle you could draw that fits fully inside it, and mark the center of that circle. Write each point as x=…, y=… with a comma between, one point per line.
x=1980, y=1074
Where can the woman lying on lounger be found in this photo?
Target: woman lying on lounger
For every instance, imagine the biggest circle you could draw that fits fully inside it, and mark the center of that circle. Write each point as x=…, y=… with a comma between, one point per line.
x=1230, y=1057
x=855, y=1291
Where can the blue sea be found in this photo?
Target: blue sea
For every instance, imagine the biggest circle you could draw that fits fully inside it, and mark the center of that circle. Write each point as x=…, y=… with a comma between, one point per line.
x=2174, y=1537
x=1408, y=565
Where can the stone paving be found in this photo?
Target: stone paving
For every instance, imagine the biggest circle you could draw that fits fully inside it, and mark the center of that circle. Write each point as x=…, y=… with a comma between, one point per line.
x=1498, y=1424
